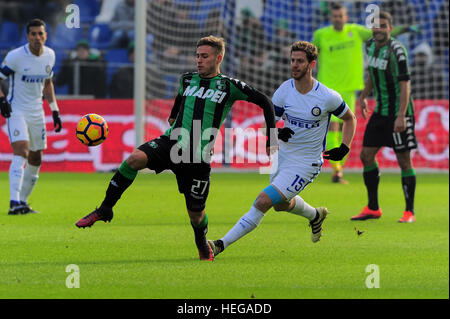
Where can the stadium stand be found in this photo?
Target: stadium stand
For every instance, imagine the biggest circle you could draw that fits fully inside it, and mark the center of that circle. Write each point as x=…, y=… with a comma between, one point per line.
x=9, y=35
x=99, y=35
x=219, y=17
x=89, y=10
x=64, y=38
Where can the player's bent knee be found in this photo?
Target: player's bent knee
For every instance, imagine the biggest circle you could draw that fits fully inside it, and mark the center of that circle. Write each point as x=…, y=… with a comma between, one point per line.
x=193, y=206
x=281, y=207
x=366, y=159
x=268, y=198
x=35, y=158
x=21, y=148
x=137, y=160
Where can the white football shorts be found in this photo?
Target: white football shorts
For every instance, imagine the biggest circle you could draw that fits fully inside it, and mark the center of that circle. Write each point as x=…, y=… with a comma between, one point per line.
x=28, y=127
x=291, y=179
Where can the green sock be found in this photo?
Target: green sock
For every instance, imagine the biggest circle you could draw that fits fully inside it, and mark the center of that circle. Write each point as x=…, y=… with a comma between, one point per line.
x=371, y=175
x=127, y=171
x=200, y=232
x=409, y=188
x=123, y=178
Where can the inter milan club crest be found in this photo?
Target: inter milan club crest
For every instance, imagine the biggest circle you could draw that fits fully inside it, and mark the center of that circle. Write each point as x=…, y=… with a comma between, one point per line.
x=220, y=85
x=316, y=111
x=48, y=69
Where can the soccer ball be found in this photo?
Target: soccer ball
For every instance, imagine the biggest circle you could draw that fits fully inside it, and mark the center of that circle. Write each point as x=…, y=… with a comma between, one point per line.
x=92, y=130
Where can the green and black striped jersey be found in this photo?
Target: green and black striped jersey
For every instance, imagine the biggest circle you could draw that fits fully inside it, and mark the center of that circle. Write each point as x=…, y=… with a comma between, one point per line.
x=388, y=65
x=202, y=105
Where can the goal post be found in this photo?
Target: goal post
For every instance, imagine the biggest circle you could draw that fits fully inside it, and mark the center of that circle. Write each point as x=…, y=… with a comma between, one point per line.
x=139, y=70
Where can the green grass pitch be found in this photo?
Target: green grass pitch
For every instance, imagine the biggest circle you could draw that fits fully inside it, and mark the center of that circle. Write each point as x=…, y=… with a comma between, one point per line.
x=148, y=250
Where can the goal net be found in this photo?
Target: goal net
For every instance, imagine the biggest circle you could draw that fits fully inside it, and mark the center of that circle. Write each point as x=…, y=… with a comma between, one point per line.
x=258, y=34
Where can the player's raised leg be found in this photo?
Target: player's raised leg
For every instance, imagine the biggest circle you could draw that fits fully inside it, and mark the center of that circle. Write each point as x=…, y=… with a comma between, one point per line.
x=250, y=220
x=121, y=180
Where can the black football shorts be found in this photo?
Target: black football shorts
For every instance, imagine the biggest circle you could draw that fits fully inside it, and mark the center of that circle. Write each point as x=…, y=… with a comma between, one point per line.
x=380, y=132
x=193, y=179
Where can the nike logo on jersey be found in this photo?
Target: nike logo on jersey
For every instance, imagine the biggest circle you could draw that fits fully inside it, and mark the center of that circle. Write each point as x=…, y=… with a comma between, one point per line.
x=215, y=96
x=26, y=69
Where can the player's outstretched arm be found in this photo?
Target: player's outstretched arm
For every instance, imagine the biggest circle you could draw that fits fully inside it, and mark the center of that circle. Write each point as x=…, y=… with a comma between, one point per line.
x=175, y=109
x=49, y=95
x=265, y=103
x=368, y=86
x=398, y=30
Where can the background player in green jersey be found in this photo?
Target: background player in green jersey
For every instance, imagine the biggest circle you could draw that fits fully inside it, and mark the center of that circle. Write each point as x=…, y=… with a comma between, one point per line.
x=341, y=67
x=203, y=102
x=392, y=122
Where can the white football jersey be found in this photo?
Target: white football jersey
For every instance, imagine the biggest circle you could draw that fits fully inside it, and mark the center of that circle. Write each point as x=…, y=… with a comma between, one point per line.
x=27, y=73
x=308, y=115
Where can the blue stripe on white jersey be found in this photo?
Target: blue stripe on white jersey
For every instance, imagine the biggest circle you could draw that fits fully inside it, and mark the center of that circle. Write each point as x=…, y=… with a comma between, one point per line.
x=6, y=71
x=324, y=143
x=339, y=109
x=279, y=111
x=27, y=74
x=11, y=93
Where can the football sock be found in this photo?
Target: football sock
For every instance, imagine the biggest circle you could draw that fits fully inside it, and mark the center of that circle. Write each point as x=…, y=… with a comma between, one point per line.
x=409, y=187
x=200, y=231
x=123, y=178
x=371, y=176
x=30, y=177
x=16, y=177
x=245, y=224
x=302, y=208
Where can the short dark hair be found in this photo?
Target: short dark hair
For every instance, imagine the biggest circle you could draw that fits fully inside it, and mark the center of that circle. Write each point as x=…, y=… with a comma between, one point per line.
x=35, y=23
x=307, y=47
x=386, y=15
x=217, y=43
x=337, y=6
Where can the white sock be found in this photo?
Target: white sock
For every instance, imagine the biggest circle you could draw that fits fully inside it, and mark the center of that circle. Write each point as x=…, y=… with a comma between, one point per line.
x=302, y=208
x=30, y=178
x=245, y=224
x=15, y=177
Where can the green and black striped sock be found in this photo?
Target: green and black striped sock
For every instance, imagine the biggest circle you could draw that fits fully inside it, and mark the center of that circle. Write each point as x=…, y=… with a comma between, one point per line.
x=409, y=188
x=200, y=232
x=371, y=176
x=123, y=178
